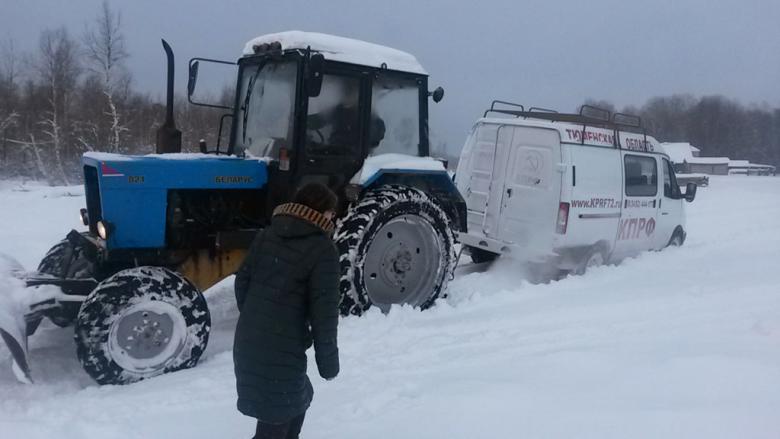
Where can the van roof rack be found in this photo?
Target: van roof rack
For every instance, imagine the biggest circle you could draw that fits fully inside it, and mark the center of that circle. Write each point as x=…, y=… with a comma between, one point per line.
x=589, y=115
x=628, y=120
x=496, y=102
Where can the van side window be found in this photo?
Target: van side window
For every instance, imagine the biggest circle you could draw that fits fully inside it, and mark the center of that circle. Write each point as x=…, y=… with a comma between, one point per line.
x=641, y=176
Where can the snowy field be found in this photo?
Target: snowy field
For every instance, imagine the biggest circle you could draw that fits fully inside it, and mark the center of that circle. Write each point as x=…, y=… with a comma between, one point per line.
x=683, y=343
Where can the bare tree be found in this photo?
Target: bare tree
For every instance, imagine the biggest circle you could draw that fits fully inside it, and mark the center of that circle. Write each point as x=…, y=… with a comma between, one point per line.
x=9, y=62
x=39, y=165
x=667, y=117
x=106, y=52
x=59, y=70
x=8, y=120
x=600, y=103
x=8, y=94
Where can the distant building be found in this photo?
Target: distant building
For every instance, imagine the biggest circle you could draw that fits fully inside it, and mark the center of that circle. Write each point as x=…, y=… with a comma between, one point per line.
x=739, y=167
x=707, y=165
x=686, y=160
x=756, y=169
x=679, y=151
x=744, y=167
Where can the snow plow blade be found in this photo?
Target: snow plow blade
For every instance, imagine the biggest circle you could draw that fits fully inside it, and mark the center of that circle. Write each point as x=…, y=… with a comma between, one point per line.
x=25, y=298
x=17, y=344
x=13, y=326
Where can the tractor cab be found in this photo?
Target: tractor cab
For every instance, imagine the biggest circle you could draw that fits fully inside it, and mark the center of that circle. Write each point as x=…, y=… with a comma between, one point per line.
x=316, y=106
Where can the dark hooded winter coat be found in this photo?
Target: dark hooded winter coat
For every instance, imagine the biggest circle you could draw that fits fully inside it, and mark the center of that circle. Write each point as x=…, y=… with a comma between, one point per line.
x=288, y=297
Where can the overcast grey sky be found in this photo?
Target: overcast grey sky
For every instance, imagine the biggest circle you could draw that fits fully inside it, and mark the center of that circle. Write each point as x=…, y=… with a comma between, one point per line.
x=553, y=54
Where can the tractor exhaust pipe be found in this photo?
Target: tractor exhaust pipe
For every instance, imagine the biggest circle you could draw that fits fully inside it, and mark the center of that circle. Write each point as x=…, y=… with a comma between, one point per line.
x=168, y=137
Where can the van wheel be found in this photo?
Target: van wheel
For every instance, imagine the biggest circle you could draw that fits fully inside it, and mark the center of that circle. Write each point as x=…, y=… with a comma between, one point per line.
x=677, y=239
x=140, y=323
x=479, y=256
x=397, y=247
x=594, y=258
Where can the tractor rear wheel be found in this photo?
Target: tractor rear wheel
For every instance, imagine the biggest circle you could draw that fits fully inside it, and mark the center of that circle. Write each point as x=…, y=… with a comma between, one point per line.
x=397, y=247
x=140, y=323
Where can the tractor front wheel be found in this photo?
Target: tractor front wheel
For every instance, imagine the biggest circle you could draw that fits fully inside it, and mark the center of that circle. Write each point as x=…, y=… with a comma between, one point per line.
x=397, y=247
x=140, y=323
x=67, y=261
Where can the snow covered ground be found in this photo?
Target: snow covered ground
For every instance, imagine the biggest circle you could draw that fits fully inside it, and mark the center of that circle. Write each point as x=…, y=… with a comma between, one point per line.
x=683, y=343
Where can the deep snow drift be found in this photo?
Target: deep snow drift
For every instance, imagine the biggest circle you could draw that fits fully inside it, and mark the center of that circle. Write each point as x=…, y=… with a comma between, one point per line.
x=682, y=343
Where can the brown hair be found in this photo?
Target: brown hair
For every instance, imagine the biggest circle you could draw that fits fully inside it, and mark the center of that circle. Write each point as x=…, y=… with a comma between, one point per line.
x=316, y=196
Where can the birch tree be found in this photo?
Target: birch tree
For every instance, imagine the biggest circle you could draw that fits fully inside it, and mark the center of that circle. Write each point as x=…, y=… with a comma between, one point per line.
x=9, y=115
x=59, y=70
x=105, y=52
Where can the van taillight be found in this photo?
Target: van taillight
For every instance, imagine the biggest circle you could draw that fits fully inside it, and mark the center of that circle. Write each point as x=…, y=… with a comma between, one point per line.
x=563, y=218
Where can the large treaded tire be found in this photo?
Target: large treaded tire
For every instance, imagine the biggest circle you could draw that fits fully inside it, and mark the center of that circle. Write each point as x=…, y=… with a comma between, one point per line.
x=66, y=261
x=145, y=298
x=358, y=229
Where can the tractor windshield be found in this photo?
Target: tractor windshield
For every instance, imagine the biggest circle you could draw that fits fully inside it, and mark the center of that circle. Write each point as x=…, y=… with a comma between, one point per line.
x=264, y=122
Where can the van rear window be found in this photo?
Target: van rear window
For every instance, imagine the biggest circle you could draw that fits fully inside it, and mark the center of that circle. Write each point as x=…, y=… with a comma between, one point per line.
x=641, y=176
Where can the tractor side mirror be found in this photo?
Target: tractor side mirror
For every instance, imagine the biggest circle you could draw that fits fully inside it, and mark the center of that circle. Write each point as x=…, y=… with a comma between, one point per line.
x=437, y=94
x=690, y=192
x=314, y=77
x=217, y=73
x=193, y=78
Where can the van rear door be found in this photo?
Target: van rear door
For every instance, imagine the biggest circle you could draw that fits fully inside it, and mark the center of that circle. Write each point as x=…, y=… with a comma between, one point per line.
x=480, y=172
x=636, y=230
x=531, y=189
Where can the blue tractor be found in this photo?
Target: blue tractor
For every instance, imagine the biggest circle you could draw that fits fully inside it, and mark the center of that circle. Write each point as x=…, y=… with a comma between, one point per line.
x=164, y=227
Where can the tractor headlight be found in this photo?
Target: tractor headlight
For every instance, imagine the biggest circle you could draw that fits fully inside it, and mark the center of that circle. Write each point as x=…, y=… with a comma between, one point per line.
x=103, y=229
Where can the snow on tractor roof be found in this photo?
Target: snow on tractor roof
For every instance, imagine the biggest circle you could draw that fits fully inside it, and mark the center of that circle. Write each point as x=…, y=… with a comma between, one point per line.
x=341, y=49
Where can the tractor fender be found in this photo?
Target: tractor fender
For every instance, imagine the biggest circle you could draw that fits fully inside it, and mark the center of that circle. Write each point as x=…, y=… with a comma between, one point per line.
x=437, y=184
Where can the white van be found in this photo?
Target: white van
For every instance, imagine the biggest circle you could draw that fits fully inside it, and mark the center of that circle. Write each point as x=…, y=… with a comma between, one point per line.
x=567, y=190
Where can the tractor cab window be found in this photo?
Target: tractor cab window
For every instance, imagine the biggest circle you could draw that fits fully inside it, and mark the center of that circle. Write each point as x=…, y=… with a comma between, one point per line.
x=395, y=116
x=333, y=118
x=264, y=123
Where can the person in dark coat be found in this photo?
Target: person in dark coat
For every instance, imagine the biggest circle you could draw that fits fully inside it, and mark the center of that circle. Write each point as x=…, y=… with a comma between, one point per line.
x=288, y=298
